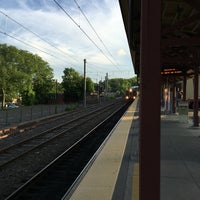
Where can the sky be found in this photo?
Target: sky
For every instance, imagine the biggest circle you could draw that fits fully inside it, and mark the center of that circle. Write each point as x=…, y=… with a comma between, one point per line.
x=65, y=32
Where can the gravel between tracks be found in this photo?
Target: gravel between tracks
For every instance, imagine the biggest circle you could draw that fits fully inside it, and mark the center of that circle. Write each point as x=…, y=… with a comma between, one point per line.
x=22, y=169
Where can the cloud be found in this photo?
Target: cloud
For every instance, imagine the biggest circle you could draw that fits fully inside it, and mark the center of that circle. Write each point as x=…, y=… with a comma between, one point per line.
x=121, y=52
x=65, y=40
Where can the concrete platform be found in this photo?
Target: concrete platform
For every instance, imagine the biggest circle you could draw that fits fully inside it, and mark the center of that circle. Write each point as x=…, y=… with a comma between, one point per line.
x=180, y=160
x=100, y=181
x=115, y=172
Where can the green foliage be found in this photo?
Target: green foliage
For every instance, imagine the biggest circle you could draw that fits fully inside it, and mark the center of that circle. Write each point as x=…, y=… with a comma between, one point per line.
x=27, y=76
x=121, y=85
x=28, y=97
x=73, y=85
x=89, y=86
x=24, y=74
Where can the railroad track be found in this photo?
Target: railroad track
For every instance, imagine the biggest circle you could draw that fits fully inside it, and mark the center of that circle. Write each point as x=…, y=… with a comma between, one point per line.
x=56, y=119
x=59, y=177
x=64, y=129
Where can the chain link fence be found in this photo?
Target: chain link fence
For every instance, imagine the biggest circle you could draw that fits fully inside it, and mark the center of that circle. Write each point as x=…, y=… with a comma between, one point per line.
x=9, y=117
x=12, y=116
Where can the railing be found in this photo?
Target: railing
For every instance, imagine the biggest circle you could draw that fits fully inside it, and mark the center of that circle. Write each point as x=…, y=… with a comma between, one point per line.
x=12, y=116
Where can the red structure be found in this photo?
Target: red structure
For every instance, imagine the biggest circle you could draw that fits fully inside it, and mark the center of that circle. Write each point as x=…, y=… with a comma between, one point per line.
x=164, y=41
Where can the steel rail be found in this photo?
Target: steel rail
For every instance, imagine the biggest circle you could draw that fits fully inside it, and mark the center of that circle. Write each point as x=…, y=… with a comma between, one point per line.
x=31, y=186
x=41, y=139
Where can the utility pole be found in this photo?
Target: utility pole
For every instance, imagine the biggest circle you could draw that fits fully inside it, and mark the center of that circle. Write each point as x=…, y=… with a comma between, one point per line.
x=56, y=95
x=106, y=83
x=84, y=92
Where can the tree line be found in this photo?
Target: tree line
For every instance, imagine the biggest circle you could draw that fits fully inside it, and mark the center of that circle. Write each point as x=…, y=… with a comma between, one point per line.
x=29, y=79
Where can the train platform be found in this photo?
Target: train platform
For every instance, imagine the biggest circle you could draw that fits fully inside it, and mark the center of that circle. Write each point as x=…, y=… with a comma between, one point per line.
x=114, y=173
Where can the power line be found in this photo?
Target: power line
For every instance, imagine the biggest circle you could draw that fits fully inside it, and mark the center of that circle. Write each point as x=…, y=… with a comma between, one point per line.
x=89, y=38
x=92, y=27
x=27, y=44
x=30, y=45
x=4, y=33
x=37, y=35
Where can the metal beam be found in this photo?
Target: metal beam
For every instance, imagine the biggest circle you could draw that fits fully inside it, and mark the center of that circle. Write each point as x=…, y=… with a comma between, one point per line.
x=193, y=4
x=180, y=24
x=181, y=61
x=189, y=42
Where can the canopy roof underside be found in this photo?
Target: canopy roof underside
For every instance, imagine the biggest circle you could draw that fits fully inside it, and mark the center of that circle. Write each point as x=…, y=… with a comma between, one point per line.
x=180, y=35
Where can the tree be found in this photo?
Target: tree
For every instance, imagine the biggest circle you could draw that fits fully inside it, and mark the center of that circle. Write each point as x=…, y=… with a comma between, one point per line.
x=23, y=74
x=89, y=86
x=73, y=85
x=10, y=75
x=120, y=85
x=43, y=83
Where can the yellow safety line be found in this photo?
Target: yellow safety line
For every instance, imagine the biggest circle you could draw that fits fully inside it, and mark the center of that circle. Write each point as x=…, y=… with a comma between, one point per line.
x=135, y=186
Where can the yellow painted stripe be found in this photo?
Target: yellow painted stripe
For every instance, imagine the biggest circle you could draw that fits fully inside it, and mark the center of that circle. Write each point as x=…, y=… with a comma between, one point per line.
x=135, y=189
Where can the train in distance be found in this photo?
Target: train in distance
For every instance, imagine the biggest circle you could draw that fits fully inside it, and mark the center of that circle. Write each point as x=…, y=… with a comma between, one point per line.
x=131, y=93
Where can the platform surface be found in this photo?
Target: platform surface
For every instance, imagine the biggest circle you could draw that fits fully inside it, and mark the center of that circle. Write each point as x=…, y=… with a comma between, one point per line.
x=115, y=172
x=99, y=182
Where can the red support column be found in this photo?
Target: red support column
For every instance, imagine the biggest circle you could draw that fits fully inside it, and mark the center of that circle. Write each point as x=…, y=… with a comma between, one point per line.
x=196, y=84
x=150, y=100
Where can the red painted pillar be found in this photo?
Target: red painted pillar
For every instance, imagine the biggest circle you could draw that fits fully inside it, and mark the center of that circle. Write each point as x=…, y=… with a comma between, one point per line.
x=196, y=84
x=150, y=100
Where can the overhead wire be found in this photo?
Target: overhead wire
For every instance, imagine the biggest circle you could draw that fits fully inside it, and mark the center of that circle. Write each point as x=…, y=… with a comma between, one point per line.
x=4, y=33
x=82, y=30
x=92, y=27
x=37, y=35
x=30, y=45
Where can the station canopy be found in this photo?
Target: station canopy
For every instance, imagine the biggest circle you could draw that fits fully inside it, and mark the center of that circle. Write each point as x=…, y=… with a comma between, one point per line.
x=180, y=35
